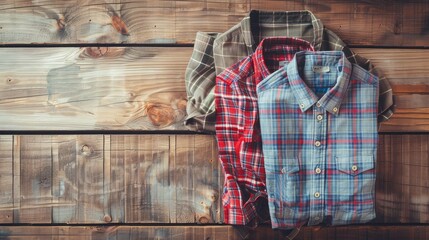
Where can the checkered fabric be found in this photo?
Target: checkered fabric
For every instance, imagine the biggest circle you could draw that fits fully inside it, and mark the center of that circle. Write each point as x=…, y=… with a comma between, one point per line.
x=318, y=119
x=238, y=133
x=215, y=52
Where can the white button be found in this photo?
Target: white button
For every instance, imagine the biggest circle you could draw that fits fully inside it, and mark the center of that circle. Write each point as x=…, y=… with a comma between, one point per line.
x=316, y=218
x=354, y=168
x=284, y=170
x=318, y=170
x=317, y=144
x=319, y=117
x=316, y=194
x=301, y=105
x=335, y=109
x=318, y=104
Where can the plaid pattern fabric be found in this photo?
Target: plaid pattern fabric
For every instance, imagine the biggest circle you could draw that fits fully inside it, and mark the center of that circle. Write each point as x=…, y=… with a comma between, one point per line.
x=318, y=119
x=238, y=133
x=215, y=52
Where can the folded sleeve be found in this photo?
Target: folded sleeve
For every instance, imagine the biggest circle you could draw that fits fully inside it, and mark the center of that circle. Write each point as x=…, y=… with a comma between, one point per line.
x=200, y=79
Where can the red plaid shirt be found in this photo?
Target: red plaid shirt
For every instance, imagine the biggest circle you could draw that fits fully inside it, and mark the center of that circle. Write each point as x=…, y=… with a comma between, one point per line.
x=238, y=132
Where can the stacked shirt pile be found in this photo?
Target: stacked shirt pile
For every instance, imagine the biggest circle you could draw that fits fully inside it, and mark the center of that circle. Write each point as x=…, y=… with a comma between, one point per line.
x=295, y=113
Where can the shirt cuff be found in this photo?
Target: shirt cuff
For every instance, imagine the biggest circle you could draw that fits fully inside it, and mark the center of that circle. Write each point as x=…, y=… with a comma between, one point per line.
x=250, y=212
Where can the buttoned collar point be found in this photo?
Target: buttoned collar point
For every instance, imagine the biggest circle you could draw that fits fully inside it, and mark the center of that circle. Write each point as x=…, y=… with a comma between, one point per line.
x=257, y=20
x=276, y=46
x=332, y=99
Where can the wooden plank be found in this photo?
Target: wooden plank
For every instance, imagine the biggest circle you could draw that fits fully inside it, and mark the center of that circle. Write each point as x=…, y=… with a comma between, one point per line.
x=148, y=190
x=65, y=175
x=406, y=69
x=163, y=178
x=81, y=21
x=402, y=187
x=72, y=89
x=6, y=179
x=221, y=232
x=142, y=88
x=97, y=232
x=90, y=179
x=36, y=179
x=16, y=177
x=115, y=148
x=145, y=179
x=196, y=174
x=78, y=187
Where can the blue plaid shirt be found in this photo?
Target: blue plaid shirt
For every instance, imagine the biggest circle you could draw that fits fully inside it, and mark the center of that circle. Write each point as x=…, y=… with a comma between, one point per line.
x=318, y=119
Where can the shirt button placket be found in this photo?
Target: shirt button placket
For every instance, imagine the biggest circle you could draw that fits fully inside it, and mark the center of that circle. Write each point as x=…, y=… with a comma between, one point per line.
x=317, y=209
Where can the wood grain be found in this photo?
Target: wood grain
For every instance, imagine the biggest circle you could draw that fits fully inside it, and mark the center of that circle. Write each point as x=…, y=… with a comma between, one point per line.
x=163, y=180
x=63, y=178
x=36, y=179
x=65, y=175
x=402, y=188
x=407, y=71
x=90, y=179
x=92, y=88
x=98, y=21
x=98, y=232
x=6, y=179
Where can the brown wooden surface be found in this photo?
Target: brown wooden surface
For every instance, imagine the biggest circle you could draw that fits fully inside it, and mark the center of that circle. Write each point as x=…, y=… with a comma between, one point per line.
x=142, y=88
x=402, y=188
x=109, y=179
x=408, y=73
x=372, y=22
x=114, y=232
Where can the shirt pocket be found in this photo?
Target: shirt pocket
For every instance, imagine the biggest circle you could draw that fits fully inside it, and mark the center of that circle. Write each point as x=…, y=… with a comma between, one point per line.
x=283, y=187
x=356, y=178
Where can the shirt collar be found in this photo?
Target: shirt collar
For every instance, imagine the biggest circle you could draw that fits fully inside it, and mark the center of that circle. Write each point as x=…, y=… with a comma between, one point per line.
x=250, y=25
x=285, y=46
x=331, y=101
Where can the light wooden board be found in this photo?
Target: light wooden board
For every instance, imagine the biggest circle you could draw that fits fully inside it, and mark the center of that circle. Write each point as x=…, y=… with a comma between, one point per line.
x=97, y=232
x=142, y=88
x=109, y=179
x=6, y=179
x=98, y=21
x=84, y=89
x=36, y=179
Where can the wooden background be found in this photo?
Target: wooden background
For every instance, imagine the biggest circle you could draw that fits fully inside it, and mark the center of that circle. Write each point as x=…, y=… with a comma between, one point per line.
x=92, y=101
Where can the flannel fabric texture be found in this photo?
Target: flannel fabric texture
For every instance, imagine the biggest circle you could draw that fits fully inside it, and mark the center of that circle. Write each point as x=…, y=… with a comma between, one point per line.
x=238, y=132
x=318, y=119
x=214, y=52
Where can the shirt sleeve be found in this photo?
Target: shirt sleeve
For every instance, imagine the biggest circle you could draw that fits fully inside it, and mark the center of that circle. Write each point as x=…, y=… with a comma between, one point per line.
x=200, y=78
x=227, y=117
x=385, y=99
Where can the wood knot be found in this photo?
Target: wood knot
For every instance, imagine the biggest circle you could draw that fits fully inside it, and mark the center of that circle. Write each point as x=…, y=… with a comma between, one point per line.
x=86, y=150
x=61, y=24
x=9, y=80
x=96, y=52
x=119, y=25
x=213, y=197
x=107, y=218
x=160, y=115
x=203, y=220
x=397, y=28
